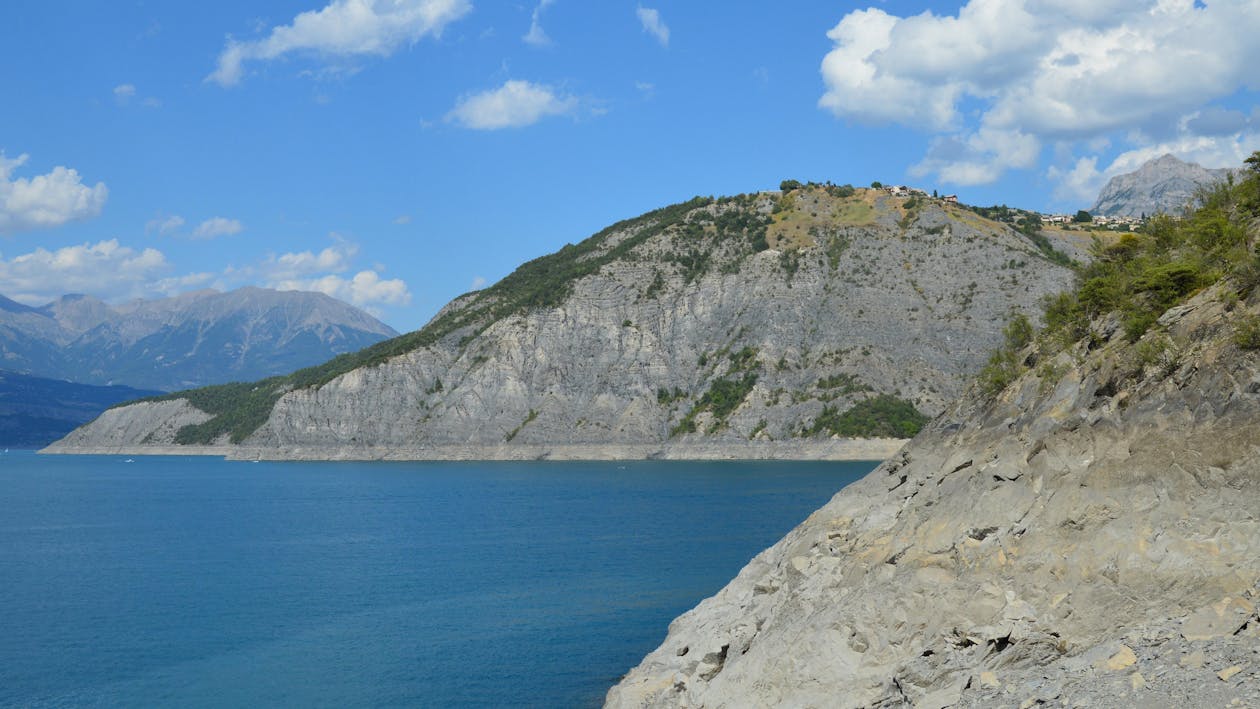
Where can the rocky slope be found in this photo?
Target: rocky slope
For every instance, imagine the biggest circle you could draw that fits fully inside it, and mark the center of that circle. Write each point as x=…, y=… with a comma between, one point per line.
x=195, y=339
x=1165, y=185
x=1086, y=535
x=824, y=311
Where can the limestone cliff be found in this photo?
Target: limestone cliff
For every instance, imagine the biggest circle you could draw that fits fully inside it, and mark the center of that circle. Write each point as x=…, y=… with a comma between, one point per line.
x=1086, y=535
x=755, y=319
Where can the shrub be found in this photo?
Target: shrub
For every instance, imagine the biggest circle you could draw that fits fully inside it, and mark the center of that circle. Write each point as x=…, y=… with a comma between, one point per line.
x=883, y=416
x=1247, y=333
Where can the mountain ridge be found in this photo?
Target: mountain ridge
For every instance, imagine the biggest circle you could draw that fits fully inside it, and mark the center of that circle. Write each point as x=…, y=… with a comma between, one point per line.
x=196, y=338
x=761, y=317
x=1080, y=529
x=1163, y=185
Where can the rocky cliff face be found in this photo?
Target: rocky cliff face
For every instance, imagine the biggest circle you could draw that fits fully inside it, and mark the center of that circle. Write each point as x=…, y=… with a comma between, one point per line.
x=1164, y=185
x=190, y=340
x=1087, y=536
x=759, y=318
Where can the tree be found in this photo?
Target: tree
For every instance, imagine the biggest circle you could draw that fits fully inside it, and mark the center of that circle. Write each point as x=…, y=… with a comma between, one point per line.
x=789, y=185
x=1253, y=162
x=877, y=184
x=1082, y=217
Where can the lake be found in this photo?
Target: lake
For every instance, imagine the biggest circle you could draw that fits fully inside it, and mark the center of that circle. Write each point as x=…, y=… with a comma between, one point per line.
x=202, y=582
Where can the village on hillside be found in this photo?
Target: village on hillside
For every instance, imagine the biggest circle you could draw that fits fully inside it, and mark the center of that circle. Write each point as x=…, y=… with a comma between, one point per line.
x=1080, y=219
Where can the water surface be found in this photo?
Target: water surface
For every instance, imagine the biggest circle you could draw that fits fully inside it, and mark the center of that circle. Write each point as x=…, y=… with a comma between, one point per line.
x=203, y=582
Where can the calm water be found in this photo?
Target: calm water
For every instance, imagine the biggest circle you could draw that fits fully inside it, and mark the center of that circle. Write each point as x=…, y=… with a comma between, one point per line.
x=200, y=582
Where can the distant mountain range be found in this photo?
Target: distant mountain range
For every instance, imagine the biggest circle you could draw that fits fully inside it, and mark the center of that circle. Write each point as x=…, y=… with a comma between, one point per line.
x=191, y=340
x=35, y=411
x=1163, y=185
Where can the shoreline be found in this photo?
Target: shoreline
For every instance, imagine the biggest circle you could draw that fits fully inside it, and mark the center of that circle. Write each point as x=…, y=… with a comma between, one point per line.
x=830, y=450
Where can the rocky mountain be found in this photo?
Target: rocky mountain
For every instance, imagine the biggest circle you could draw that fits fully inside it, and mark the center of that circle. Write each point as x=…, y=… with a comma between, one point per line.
x=1165, y=185
x=35, y=411
x=1081, y=529
x=737, y=327
x=195, y=339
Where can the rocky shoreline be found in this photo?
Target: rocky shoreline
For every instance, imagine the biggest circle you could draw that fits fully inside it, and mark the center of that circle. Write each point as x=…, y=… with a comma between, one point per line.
x=833, y=449
x=1087, y=538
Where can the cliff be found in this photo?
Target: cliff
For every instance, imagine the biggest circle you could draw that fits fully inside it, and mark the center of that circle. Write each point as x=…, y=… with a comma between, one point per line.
x=1165, y=185
x=759, y=319
x=1081, y=529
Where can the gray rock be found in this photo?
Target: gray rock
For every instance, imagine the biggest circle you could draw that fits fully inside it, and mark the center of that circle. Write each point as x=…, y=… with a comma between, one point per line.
x=855, y=297
x=1164, y=185
x=1063, y=582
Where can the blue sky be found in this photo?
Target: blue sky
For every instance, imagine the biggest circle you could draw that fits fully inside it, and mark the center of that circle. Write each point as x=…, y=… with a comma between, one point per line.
x=396, y=153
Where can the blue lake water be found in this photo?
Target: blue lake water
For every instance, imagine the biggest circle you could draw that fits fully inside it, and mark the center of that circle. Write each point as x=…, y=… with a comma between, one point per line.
x=201, y=582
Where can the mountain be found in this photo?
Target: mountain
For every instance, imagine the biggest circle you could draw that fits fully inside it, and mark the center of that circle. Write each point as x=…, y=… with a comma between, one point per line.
x=757, y=325
x=35, y=411
x=1164, y=185
x=195, y=339
x=1081, y=529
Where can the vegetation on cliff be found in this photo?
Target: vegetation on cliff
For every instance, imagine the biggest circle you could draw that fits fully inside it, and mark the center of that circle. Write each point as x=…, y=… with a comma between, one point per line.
x=1139, y=277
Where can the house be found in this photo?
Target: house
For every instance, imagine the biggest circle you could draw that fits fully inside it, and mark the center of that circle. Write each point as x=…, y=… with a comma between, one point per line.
x=951, y=198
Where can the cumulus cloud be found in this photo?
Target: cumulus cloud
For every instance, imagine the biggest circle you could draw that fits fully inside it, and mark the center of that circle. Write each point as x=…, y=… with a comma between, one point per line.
x=45, y=201
x=366, y=289
x=536, y=37
x=323, y=272
x=343, y=28
x=1082, y=181
x=164, y=226
x=113, y=272
x=104, y=269
x=653, y=24
x=513, y=105
x=217, y=226
x=1001, y=79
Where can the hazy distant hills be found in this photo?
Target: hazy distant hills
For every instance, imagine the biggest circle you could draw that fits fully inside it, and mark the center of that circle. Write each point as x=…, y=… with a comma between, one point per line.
x=35, y=411
x=195, y=339
x=1163, y=185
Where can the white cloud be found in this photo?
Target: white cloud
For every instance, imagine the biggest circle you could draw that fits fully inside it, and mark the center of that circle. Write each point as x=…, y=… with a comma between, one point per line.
x=1083, y=181
x=513, y=105
x=298, y=265
x=124, y=92
x=653, y=24
x=536, y=37
x=217, y=226
x=343, y=28
x=104, y=269
x=365, y=289
x=478, y=282
x=45, y=201
x=164, y=226
x=1027, y=73
x=114, y=272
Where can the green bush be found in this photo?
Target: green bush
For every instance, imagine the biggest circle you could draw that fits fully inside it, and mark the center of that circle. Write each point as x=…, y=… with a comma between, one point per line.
x=883, y=416
x=1247, y=333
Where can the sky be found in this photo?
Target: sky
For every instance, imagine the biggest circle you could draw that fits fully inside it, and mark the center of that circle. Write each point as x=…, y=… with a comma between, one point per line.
x=397, y=153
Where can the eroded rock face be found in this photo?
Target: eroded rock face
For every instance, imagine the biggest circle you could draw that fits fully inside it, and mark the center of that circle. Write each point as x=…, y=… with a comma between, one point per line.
x=853, y=296
x=1076, y=540
x=1164, y=185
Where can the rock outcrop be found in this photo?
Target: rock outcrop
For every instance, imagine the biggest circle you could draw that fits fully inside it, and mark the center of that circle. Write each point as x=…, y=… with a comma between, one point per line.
x=755, y=319
x=1165, y=185
x=1089, y=536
